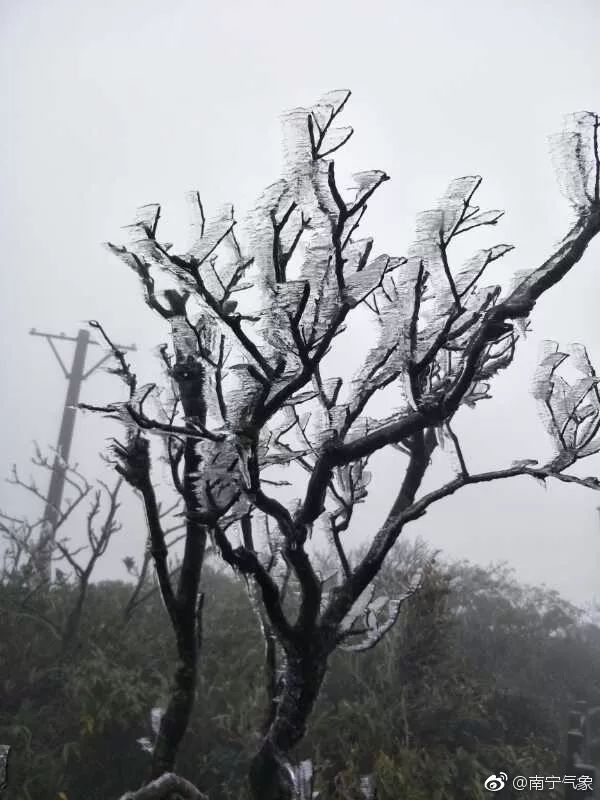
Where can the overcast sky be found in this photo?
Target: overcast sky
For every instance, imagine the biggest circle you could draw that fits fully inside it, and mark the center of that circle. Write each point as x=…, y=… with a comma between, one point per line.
x=109, y=105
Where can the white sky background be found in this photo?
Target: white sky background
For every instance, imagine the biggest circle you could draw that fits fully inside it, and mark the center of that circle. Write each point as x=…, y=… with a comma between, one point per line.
x=113, y=104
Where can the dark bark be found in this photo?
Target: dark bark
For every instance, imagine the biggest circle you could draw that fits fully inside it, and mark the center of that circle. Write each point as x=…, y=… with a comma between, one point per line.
x=184, y=605
x=304, y=672
x=306, y=665
x=187, y=626
x=181, y=702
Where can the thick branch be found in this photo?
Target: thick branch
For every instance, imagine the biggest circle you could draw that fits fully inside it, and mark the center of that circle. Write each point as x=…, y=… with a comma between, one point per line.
x=246, y=561
x=419, y=508
x=164, y=788
x=519, y=304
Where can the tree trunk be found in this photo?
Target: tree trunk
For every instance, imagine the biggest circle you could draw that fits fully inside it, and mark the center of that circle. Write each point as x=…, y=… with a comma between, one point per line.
x=269, y=777
x=187, y=624
x=175, y=720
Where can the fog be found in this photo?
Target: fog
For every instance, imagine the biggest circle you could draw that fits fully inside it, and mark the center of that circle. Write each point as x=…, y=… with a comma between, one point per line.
x=107, y=106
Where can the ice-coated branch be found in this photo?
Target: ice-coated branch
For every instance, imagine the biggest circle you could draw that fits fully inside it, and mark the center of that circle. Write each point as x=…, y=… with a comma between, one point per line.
x=363, y=627
x=255, y=311
x=164, y=788
x=246, y=561
x=444, y=405
x=570, y=411
x=133, y=464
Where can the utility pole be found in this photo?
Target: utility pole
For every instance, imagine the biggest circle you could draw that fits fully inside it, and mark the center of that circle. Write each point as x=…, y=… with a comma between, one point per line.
x=75, y=377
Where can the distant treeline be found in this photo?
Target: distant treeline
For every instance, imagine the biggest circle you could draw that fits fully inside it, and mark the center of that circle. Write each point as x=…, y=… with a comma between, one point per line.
x=476, y=677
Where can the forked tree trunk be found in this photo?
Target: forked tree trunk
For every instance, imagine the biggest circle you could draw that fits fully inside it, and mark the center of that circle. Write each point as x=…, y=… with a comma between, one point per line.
x=303, y=676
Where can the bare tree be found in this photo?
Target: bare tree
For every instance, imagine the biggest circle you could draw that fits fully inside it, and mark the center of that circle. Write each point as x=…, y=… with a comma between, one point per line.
x=25, y=556
x=254, y=322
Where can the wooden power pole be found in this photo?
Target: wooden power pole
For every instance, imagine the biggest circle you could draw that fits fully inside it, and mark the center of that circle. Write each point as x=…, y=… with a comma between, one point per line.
x=75, y=377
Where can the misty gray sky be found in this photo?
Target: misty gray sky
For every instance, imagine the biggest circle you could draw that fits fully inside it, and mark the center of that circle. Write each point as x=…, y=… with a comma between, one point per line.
x=113, y=104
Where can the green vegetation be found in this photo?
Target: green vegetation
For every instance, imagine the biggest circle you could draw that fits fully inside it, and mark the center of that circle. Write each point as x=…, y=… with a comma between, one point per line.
x=476, y=677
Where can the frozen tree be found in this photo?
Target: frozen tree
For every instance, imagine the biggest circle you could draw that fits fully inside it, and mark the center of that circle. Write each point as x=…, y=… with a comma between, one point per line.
x=252, y=388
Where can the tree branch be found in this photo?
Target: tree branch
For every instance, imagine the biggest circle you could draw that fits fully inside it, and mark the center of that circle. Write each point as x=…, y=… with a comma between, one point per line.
x=164, y=788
